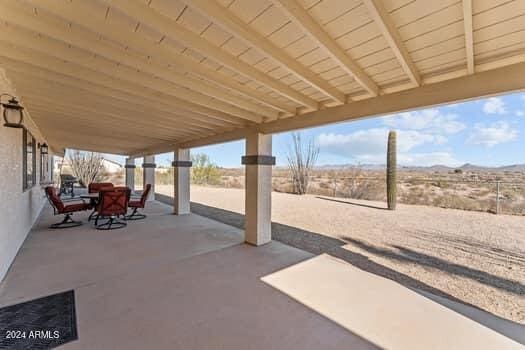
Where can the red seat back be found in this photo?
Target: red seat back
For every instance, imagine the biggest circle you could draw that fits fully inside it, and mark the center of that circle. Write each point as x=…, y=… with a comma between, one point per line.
x=145, y=194
x=113, y=202
x=98, y=186
x=54, y=199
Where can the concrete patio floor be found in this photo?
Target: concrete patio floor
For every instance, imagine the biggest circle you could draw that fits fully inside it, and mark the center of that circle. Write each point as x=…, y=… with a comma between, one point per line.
x=189, y=282
x=184, y=282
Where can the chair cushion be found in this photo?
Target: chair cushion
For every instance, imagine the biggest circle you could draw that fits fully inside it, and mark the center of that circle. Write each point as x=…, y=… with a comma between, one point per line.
x=69, y=208
x=113, y=202
x=54, y=199
x=99, y=186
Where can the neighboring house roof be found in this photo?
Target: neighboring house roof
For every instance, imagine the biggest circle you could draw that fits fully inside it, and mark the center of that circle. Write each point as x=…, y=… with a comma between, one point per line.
x=112, y=162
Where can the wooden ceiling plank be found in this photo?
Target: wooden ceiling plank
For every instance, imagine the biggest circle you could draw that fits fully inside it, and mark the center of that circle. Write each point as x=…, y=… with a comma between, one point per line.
x=33, y=102
x=74, y=71
x=61, y=93
x=156, y=105
x=92, y=44
x=301, y=17
x=78, y=57
x=469, y=35
x=85, y=141
x=149, y=16
x=78, y=13
x=387, y=27
x=225, y=19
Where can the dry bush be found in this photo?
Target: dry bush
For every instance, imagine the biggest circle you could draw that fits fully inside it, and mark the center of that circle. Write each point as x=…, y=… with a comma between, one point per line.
x=301, y=161
x=87, y=167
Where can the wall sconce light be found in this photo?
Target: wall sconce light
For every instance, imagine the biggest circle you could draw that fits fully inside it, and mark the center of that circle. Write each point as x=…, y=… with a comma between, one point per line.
x=44, y=149
x=13, y=116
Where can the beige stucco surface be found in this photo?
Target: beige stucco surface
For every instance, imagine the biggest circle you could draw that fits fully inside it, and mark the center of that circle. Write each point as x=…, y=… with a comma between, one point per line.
x=18, y=209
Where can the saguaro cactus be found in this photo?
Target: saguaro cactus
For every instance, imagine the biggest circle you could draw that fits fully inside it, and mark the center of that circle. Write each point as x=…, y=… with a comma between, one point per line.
x=391, y=171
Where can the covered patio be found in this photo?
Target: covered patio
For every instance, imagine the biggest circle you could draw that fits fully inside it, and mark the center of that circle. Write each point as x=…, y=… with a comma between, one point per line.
x=140, y=78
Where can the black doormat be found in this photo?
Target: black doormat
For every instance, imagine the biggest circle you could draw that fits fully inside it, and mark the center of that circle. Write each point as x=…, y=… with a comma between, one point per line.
x=42, y=323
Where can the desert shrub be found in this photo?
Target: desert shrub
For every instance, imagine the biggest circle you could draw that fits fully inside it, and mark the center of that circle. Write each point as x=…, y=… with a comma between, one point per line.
x=301, y=161
x=164, y=176
x=232, y=181
x=203, y=171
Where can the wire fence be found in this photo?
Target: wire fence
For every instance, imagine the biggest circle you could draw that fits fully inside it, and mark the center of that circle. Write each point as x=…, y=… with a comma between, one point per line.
x=496, y=196
x=488, y=195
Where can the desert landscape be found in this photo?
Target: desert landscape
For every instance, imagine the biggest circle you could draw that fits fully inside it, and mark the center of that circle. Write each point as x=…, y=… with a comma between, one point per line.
x=467, y=187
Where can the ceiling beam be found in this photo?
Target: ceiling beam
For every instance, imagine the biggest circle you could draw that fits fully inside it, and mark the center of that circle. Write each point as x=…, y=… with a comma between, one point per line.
x=101, y=117
x=77, y=38
x=310, y=26
x=158, y=105
x=387, y=27
x=165, y=54
x=482, y=84
x=58, y=93
x=223, y=18
x=80, y=126
x=79, y=57
x=59, y=67
x=469, y=36
x=173, y=30
x=95, y=143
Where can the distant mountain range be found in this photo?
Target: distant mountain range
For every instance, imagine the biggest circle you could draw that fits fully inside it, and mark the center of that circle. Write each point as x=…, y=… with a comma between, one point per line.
x=434, y=168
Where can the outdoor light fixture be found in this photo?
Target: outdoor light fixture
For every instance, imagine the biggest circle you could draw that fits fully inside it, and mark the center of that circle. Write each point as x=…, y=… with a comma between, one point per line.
x=13, y=115
x=43, y=148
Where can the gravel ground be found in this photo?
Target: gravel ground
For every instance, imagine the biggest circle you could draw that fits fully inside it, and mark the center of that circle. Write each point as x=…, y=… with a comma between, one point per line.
x=473, y=257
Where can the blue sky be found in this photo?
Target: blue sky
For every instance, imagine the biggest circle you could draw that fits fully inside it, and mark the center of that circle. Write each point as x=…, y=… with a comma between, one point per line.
x=488, y=132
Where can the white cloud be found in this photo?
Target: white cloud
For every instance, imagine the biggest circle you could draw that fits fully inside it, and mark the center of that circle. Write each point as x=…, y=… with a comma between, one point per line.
x=493, y=134
x=520, y=113
x=369, y=146
x=428, y=120
x=494, y=105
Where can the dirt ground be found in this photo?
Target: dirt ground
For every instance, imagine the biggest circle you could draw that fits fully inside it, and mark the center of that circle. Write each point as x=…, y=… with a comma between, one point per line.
x=475, y=257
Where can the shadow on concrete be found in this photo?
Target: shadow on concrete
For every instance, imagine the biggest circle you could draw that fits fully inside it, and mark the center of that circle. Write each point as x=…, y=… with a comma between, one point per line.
x=351, y=203
x=316, y=243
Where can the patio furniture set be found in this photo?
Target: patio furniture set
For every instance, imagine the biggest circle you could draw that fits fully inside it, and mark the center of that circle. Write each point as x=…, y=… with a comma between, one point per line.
x=109, y=205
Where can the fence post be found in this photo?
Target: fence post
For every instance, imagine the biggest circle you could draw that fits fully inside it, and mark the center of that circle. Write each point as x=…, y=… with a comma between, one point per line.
x=497, y=197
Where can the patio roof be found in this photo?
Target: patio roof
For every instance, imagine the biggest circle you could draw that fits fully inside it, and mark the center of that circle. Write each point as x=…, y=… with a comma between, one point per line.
x=179, y=74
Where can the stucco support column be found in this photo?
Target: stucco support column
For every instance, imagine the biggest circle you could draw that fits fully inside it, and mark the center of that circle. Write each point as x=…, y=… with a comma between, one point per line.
x=149, y=166
x=258, y=193
x=130, y=173
x=181, y=181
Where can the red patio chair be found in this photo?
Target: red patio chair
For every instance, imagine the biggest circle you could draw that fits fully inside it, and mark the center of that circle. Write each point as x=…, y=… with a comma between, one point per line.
x=65, y=208
x=112, y=204
x=98, y=186
x=138, y=203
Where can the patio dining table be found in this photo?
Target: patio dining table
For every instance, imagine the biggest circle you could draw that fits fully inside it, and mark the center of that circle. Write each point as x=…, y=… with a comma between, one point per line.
x=93, y=201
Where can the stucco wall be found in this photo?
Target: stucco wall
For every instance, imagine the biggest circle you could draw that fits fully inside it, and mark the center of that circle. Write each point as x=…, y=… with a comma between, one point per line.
x=18, y=209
